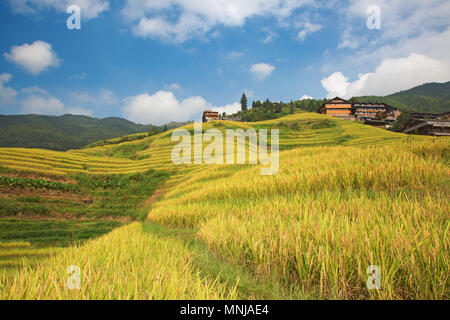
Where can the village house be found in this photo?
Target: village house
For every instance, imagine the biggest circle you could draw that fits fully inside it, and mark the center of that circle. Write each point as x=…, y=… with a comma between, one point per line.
x=375, y=114
x=429, y=124
x=209, y=115
x=338, y=108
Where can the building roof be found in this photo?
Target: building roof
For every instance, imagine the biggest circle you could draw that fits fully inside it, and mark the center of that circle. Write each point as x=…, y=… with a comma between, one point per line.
x=336, y=101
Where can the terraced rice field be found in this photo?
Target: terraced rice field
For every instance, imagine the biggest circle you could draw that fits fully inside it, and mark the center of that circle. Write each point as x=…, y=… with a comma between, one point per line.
x=346, y=197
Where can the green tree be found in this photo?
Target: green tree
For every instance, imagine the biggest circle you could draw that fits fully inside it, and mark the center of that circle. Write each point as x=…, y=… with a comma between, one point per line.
x=244, y=102
x=154, y=130
x=291, y=108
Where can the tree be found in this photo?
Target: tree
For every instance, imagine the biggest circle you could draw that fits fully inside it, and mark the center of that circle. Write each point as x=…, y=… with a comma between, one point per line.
x=244, y=102
x=154, y=130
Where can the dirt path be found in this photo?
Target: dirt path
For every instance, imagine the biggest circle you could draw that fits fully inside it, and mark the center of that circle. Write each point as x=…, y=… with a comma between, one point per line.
x=155, y=197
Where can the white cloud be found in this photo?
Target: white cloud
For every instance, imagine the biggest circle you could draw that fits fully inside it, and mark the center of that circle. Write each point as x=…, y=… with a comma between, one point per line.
x=79, y=111
x=39, y=101
x=172, y=87
x=308, y=29
x=348, y=43
x=42, y=105
x=228, y=109
x=7, y=94
x=89, y=8
x=271, y=36
x=34, y=90
x=101, y=97
x=34, y=58
x=391, y=76
x=234, y=55
x=195, y=19
x=403, y=18
x=306, y=97
x=78, y=76
x=262, y=70
x=163, y=107
x=407, y=26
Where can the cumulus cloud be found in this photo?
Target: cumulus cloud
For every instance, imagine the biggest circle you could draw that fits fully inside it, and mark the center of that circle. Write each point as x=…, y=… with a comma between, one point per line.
x=7, y=94
x=89, y=8
x=228, y=109
x=415, y=16
x=38, y=101
x=34, y=58
x=391, y=76
x=407, y=26
x=195, y=19
x=308, y=29
x=262, y=70
x=306, y=97
x=163, y=107
x=42, y=105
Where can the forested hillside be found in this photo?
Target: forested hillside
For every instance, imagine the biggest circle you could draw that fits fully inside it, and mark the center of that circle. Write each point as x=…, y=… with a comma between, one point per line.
x=66, y=132
x=427, y=98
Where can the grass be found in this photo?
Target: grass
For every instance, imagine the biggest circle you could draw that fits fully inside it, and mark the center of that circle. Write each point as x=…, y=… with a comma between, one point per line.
x=117, y=266
x=246, y=285
x=52, y=217
x=321, y=221
x=53, y=232
x=346, y=196
x=13, y=182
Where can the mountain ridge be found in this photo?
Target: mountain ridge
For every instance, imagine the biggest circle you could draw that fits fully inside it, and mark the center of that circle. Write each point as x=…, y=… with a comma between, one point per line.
x=427, y=98
x=61, y=133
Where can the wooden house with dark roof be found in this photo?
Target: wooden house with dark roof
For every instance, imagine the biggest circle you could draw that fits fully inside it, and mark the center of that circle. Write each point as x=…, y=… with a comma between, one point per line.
x=429, y=124
x=209, y=115
x=361, y=111
x=338, y=108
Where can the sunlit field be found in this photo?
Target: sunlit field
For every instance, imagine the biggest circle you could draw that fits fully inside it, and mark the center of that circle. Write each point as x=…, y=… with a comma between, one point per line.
x=346, y=197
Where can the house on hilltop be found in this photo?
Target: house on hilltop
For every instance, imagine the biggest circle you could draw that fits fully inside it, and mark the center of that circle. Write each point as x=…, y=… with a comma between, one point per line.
x=376, y=114
x=338, y=108
x=209, y=115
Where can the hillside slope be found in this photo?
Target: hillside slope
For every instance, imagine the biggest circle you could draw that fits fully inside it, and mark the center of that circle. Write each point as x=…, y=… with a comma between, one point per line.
x=61, y=133
x=427, y=98
x=66, y=132
x=347, y=196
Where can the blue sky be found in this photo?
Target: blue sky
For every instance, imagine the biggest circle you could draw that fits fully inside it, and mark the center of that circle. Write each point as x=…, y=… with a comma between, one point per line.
x=154, y=61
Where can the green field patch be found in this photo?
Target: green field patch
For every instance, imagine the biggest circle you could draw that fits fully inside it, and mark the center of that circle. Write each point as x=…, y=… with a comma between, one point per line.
x=14, y=182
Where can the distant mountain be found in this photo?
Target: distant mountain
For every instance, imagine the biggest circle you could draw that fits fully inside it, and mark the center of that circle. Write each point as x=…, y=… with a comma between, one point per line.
x=174, y=125
x=62, y=133
x=427, y=98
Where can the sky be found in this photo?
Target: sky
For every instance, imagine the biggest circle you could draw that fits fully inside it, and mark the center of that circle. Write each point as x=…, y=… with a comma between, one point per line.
x=156, y=61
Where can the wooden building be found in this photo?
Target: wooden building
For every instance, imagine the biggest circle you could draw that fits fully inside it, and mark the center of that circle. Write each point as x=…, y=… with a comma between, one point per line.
x=338, y=108
x=209, y=115
x=429, y=124
x=371, y=113
x=376, y=111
